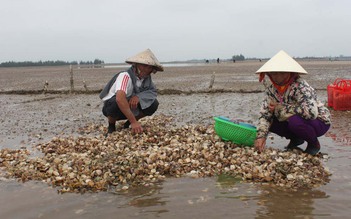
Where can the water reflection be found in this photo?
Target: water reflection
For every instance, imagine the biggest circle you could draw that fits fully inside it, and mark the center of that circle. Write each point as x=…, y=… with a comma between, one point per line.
x=149, y=197
x=272, y=202
x=225, y=181
x=145, y=196
x=275, y=203
x=231, y=187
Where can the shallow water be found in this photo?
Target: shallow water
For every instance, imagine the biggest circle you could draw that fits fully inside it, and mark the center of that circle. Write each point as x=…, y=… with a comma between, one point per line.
x=29, y=121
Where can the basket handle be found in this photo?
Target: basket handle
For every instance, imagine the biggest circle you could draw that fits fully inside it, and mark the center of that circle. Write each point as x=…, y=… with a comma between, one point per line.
x=337, y=81
x=344, y=85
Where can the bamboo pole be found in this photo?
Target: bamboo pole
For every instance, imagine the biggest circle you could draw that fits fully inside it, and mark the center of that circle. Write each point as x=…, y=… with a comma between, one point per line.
x=46, y=85
x=212, y=80
x=71, y=78
x=85, y=86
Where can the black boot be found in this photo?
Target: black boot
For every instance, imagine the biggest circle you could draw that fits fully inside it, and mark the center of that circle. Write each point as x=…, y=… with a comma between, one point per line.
x=313, y=149
x=294, y=143
x=111, y=128
x=126, y=124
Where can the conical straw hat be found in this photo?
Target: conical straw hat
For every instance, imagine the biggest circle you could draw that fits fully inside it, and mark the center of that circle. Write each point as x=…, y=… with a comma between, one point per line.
x=146, y=57
x=282, y=62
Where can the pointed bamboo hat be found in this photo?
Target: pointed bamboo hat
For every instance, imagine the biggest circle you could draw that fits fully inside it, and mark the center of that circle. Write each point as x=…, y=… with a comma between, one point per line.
x=282, y=62
x=146, y=57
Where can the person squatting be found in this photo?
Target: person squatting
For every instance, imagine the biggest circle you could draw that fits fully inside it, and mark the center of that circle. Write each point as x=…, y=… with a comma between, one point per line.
x=131, y=94
x=290, y=107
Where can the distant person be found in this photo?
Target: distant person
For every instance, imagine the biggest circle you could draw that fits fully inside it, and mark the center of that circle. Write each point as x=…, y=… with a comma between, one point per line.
x=207, y=61
x=218, y=60
x=131, y=94
x=290, y=107
x=233, y=60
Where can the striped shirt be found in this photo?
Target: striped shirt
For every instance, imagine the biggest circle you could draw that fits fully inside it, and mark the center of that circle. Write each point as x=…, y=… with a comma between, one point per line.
x=123, y=83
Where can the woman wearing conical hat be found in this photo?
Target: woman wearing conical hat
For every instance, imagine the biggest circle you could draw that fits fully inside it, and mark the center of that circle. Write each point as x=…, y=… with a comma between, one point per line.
x=131, y=94
x=290, y=107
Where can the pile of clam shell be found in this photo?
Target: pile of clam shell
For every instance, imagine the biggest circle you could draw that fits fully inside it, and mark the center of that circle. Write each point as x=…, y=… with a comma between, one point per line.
x=98, y=163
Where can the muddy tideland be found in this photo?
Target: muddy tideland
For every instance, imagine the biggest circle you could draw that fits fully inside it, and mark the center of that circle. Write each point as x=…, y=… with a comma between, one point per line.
x=39, y=103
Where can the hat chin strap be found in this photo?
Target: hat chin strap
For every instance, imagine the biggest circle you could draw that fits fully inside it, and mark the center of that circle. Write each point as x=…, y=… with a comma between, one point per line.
x=136, y=70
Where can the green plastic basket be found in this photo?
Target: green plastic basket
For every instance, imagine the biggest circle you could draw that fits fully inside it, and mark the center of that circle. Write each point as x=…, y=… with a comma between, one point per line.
x=235, y=133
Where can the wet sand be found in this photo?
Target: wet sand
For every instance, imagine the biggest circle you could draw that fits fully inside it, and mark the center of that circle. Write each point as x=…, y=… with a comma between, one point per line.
x=29, y=119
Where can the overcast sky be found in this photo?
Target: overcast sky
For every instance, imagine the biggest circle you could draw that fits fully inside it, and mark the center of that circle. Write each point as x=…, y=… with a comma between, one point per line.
x=175, y=30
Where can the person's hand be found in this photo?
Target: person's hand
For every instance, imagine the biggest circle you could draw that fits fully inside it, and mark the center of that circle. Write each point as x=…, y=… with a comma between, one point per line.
x=260, y=144
x=133, y=102
x=136, y=127
x=272, y=106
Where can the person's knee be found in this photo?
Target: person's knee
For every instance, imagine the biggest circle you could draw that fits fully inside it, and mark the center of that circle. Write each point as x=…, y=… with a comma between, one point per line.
x=111, y=109
x=151, y=109
x=296, y=122
x=104, y=111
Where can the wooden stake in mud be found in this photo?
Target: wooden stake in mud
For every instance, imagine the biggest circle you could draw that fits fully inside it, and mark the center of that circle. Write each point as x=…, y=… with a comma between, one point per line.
x=71, y=79
x=85, y=86
x=212, y=80
x=46, y=85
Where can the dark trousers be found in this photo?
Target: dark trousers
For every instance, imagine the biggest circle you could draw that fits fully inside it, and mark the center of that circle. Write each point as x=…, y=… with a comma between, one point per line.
x=111, y=108
x=297, y=127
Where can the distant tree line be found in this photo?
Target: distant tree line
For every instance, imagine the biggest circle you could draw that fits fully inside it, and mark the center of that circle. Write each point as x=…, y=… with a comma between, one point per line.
x=49, y=63
x=95, y=62
x=238, y=57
